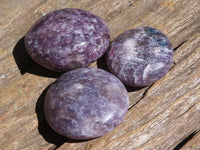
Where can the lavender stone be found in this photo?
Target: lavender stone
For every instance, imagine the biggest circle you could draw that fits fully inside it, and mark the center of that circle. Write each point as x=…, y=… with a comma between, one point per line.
x=140, y=56
x=67, y=39
x=86, y=103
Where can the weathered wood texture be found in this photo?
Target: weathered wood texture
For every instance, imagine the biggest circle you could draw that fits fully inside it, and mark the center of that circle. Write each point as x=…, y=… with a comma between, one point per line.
x=193, y=144
x=161, y=116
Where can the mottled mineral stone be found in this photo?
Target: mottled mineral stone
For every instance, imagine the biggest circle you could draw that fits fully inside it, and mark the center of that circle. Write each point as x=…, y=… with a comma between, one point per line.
x=67, y=39
x=140, y=56
x=86, y=103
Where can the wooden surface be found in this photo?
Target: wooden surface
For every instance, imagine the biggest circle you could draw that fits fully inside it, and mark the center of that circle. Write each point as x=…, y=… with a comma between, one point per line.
x=165, y=115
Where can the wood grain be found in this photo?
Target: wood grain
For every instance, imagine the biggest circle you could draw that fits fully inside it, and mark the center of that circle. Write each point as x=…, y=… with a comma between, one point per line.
x=161, y=116
x=193, y=144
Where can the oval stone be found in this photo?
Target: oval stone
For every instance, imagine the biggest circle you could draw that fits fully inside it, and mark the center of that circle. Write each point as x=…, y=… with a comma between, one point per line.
x=67, y=39
x=140, y=56
x=86, y=103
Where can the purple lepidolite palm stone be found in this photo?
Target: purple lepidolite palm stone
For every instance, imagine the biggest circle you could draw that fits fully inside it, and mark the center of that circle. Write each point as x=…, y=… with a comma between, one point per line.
x=140, y=56
x=67, y=39
x=86, y=103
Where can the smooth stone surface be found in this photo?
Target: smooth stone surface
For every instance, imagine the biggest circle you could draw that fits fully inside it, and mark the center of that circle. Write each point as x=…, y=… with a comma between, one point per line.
x=140, y=56
x=67, y=39
x=86, y=103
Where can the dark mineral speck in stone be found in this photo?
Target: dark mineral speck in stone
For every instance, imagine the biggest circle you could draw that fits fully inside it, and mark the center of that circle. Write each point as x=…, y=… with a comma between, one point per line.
x=86, y=103
x=67, y=39
x=140, y=56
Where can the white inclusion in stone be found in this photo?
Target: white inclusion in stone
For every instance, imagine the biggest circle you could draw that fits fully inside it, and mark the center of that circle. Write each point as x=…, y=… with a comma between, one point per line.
x=161, y=52
x=94, y=20
x=62, y=114
x=71, y=90
x=146, y=71
x=138, y=59
x=78, y=32
x=111, y=86
x=80, y=46
x=79, y=58
x=107, y=117
x=89, y=27
x=129, y=44
x=29, y=41
x=35, y=46
x=82, y=43
x=136, y=78
x=159, y=65
x=78, y=86
x=54, y=27
x=130, y=51
x=152, y=68
x=63, y=25
x=88, y=128
x=130, y=54
x=157, y=51
x=121, y=72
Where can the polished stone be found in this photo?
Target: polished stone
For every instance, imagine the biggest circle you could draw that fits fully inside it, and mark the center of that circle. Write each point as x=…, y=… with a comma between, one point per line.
x=140, y=56
x=86, y=103
x=67, y=39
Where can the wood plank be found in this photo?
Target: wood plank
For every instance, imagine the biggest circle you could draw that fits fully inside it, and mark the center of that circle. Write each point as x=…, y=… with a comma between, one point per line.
x=18, y=120
x=194, y=143
x=25, y=100
x=167, y=105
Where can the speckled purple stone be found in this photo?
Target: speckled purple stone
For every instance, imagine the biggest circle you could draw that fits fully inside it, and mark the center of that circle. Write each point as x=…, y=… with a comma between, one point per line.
x=140, y=56
x=67, y=39
x=86, y=103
